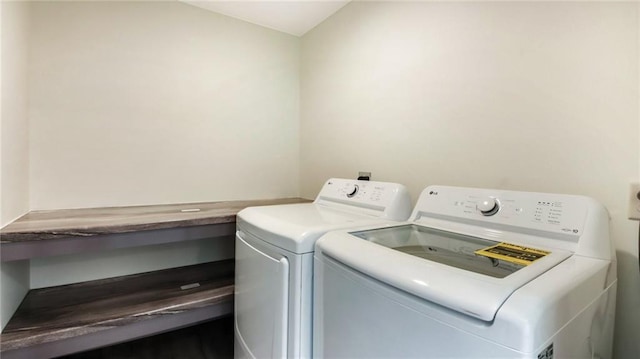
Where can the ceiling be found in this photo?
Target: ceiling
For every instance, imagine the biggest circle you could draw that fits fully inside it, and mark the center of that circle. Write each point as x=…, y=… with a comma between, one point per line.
x=292, y=17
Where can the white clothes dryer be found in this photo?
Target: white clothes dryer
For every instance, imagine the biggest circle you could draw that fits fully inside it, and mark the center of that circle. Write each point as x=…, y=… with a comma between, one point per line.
x=475, y=273
x=274, y=261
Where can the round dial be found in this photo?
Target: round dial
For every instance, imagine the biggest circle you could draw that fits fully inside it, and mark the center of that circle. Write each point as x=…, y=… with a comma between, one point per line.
x=488, y=206
x=351, y=190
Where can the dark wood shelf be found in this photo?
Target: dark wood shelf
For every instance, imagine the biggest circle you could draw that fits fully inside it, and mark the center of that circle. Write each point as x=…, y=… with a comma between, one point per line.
x=67, y=231
x=72, y=318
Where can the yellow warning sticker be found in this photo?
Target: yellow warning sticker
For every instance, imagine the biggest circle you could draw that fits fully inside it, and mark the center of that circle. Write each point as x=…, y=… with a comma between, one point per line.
x=512, y=253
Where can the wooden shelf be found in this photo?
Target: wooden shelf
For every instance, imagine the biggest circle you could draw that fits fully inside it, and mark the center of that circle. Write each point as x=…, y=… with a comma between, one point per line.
x=69, y=245
x=67, y=231
x=73, y=318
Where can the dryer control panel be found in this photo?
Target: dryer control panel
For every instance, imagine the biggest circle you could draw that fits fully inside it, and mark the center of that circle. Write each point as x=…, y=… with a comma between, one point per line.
x=384, y=199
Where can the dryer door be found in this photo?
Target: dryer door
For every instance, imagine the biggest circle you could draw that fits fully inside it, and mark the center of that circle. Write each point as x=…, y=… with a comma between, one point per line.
x=261, y=301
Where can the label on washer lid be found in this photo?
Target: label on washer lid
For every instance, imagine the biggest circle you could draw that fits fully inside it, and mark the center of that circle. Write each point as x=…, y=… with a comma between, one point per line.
x=512, y=253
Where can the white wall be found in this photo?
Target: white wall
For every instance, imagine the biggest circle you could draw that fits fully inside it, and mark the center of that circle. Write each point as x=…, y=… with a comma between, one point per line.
x=14, y=160
x=14, y=126
x=525, y=96
x=159, y=102
x=60, y=270
x=15, y=285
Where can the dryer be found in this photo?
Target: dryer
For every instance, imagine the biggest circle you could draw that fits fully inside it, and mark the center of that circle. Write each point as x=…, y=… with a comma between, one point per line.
x=274, y=261
x=475, y=273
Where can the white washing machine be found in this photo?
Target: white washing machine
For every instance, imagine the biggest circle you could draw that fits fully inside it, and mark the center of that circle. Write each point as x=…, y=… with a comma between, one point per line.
x=475, y=273
x=274, y=261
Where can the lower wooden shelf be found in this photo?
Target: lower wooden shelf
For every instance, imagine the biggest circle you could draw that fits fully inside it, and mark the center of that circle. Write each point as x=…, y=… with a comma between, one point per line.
x=67, y=319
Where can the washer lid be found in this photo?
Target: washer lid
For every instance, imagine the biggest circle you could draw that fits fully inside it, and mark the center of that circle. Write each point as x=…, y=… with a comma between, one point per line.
x=296, y=227
x=437, y=265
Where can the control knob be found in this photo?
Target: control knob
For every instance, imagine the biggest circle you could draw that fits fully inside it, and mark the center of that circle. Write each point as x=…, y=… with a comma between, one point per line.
x=488, y=206
x=351, y=190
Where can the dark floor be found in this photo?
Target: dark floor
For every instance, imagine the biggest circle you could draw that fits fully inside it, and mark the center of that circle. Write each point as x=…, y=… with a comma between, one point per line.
x=210, y=340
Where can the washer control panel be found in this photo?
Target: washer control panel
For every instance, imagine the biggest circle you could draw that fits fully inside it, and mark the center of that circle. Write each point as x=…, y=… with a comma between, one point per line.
x=539, y=211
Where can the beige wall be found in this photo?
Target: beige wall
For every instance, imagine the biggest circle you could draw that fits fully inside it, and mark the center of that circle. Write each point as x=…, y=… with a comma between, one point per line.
x=60, y=270
x=159, y=102
x=525, y=96
x=14, y=123
x=14, y=163
x=14, y=277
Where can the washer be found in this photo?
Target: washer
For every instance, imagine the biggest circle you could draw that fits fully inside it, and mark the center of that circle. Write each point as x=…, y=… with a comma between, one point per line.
x=475, y=273
x=274, y=261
